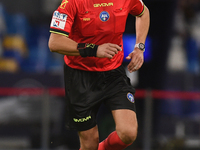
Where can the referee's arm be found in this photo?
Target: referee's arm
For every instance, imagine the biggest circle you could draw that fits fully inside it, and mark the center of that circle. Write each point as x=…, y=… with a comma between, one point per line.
x=142, y=28
x=63, y=45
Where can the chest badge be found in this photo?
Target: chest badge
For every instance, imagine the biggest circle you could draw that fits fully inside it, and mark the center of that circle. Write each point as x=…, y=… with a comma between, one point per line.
x=104, y=16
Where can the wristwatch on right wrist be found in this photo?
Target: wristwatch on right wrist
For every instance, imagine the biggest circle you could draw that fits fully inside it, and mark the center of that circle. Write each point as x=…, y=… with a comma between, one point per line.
x=141, y=46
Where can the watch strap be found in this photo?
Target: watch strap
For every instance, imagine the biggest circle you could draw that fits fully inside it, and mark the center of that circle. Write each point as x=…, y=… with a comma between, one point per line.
x=141, y=46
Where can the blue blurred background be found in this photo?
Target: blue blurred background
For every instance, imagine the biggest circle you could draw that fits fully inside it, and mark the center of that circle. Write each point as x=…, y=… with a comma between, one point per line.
x=172, y=63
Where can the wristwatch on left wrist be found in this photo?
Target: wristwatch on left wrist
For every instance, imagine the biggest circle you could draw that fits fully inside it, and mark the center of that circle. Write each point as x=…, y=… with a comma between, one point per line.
x=141, y=46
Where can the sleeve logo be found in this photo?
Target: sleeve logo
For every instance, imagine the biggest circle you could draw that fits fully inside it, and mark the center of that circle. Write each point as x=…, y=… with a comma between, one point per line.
x=58, y=20
x=130, y=97
x=63, y=4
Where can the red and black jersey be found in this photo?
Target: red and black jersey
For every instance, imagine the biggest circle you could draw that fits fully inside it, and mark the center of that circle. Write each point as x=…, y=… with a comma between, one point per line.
x=97, y=22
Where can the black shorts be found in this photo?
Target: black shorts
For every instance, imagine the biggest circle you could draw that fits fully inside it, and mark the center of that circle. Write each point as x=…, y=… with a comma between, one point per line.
x=86, y=91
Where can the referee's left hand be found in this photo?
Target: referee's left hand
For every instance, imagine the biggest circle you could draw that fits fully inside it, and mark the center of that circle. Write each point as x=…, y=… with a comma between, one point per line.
x=137, y=59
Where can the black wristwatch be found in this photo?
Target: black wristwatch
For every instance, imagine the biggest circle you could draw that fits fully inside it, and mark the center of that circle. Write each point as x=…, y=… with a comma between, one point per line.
x=141, y=46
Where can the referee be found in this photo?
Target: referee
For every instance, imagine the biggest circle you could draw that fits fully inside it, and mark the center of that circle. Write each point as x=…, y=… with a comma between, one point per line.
x=89, y=35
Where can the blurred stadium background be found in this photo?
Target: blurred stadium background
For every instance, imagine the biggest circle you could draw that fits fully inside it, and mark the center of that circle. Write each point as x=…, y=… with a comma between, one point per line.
x=168, y=84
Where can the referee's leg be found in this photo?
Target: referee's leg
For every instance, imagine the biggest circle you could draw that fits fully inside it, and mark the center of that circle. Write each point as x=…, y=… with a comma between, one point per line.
x=126, y=131
x=89, y=139
x=126, y=125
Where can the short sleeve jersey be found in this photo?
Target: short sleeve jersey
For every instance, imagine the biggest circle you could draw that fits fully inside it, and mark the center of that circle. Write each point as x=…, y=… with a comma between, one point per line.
x=97, y=22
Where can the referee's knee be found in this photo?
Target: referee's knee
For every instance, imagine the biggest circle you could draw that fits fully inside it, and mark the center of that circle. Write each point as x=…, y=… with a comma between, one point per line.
x=90, y=144
x=128, y=135
x=89, y=139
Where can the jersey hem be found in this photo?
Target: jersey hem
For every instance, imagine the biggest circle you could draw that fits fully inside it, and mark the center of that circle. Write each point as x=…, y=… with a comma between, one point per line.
x=94, y=69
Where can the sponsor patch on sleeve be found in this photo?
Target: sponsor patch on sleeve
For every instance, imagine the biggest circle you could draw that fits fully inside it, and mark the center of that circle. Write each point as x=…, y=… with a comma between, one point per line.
x=58, y=20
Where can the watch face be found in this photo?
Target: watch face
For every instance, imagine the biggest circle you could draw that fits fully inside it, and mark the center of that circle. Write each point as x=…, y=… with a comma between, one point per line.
x=141, y=46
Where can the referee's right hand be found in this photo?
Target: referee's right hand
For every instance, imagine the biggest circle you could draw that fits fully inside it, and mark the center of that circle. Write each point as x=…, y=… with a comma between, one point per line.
x=108, y=50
